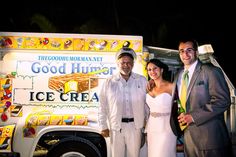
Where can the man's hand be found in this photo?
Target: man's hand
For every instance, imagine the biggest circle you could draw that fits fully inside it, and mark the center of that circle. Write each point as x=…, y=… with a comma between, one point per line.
x=105, y=133
x=185, y=119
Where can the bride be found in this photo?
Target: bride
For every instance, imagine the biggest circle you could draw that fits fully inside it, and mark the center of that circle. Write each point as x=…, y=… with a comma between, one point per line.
x=161, y=140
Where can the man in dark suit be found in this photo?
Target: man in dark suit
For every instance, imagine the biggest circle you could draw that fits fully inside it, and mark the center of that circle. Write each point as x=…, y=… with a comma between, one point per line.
x=207, y=98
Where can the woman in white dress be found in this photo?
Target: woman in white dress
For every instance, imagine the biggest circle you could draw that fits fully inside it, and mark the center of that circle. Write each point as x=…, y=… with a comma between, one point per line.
x=161, y=141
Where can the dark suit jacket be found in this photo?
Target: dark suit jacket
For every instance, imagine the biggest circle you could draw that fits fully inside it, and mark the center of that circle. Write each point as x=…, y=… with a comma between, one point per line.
x=207, y=99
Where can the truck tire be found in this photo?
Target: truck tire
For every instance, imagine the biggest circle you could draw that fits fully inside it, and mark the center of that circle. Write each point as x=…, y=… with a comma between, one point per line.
x=74, y=147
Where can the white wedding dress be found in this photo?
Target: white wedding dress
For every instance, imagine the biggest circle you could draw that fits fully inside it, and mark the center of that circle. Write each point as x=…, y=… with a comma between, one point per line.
x=161, y=139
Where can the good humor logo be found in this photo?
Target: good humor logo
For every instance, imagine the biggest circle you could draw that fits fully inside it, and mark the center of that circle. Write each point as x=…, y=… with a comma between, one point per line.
x=54, y=65
x=67, y=68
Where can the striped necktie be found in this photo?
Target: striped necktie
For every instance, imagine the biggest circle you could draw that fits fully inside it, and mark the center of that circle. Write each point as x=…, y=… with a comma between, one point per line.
x=183, y=94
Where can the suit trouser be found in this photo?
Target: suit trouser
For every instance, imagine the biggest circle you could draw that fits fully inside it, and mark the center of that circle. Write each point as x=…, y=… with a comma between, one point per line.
x=191, y=150
x=126, y=142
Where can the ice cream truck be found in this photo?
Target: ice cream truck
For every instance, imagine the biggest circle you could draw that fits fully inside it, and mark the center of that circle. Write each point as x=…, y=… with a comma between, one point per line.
x=49, y=91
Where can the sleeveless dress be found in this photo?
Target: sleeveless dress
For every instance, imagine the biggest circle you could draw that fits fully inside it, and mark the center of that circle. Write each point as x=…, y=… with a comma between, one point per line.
x=161, y=139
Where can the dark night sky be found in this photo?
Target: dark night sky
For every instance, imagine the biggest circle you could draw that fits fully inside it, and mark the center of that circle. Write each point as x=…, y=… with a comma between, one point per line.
x=161, y=23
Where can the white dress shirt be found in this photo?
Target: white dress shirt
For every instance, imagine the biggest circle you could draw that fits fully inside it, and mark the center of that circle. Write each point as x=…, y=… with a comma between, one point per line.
x=120, y=99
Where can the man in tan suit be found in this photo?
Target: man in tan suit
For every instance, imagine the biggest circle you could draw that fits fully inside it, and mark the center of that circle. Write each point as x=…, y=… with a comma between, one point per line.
x=208, y=97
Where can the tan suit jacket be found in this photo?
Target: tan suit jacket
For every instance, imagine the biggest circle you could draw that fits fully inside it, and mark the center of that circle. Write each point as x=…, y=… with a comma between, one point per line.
x=208, y=97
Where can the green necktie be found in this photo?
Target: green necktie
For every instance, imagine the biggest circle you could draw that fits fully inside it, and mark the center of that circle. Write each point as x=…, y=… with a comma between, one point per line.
x=183, y=94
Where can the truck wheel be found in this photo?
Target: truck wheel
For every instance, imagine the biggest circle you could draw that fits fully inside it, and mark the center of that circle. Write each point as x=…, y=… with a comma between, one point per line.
x=74, y=147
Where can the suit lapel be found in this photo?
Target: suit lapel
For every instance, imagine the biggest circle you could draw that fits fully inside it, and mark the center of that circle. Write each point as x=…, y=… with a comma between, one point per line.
x=193, y=80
